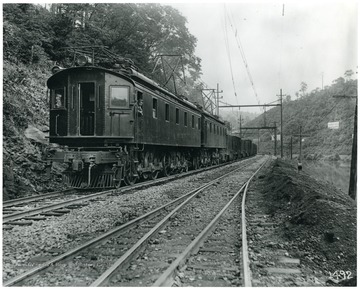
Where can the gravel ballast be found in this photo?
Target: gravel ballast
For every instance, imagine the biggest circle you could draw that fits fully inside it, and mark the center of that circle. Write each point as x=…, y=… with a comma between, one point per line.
x=55, y=235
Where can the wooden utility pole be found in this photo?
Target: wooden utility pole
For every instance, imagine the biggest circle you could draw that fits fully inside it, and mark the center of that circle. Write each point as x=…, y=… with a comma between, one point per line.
x=291, y=147
x=353, y=168
x=300, y=135
x=300, y=143
x=281, y=123
x=275, y=136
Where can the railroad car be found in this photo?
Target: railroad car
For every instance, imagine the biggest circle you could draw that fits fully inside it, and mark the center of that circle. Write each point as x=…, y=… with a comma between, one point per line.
x=116, y=125
x=233, y=147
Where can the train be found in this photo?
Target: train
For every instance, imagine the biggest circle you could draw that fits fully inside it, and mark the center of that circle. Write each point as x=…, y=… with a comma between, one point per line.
x=112, y=125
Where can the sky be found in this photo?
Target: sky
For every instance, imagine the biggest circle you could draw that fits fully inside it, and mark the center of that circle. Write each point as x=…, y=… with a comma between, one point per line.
x=283, y=44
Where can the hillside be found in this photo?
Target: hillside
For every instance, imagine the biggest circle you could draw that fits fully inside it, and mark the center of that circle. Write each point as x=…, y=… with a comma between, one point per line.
x=25, y=123
x=312, y=112
x=233, y=118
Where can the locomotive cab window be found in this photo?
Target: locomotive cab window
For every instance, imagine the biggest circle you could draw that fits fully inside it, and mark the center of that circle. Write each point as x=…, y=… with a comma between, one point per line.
x=155, y=108
x=177, y=116
x=185, y=119
x=192, y=121
x=119, y=96
x=167, y=112
x=58, y=98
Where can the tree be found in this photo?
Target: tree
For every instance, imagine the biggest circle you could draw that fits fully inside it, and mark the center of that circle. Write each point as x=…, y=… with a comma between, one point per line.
x=137, y=31
x=26, y=34
x=348, y=74
x=140, y=32
x=303, y=87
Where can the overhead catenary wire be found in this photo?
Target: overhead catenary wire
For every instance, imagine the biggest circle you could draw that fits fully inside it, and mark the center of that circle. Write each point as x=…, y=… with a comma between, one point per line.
x=281, y=46
x=228, y=53
x=242, y=53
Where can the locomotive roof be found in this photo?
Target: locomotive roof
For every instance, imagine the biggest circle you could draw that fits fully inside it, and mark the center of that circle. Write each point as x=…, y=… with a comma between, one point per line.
x=136, y=79
x=52, y=79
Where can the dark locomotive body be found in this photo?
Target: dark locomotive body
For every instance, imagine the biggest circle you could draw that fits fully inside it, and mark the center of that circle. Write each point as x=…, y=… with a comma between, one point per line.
x=117, y=125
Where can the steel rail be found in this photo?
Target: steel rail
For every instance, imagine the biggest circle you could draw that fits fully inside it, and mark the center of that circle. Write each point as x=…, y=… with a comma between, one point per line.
x=127, y=257
x=106, y=235
x=20, y=215
x=245, y=253
x=103, y=237
x=29, y=199
x=166, y=279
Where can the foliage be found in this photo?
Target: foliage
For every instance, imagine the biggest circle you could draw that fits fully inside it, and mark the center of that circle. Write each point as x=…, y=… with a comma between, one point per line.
x=140, y=32
x=25, y=33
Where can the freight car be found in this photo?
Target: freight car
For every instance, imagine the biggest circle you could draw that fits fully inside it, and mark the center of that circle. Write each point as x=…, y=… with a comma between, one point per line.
x=114, y=125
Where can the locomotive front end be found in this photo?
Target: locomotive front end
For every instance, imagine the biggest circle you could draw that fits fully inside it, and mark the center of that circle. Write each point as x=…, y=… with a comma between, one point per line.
x=90, y=169
x=92, y=122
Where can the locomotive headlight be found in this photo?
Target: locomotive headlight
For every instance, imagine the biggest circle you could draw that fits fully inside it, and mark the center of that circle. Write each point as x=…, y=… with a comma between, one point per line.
x=83, y=60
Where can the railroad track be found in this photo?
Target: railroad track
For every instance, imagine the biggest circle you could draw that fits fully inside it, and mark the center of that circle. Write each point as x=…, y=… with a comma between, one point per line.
x=30, y=199
x=112, y=257
x=27, y=211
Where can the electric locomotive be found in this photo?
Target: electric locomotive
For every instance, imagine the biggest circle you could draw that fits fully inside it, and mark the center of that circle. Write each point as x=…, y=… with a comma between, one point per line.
x=116, y=125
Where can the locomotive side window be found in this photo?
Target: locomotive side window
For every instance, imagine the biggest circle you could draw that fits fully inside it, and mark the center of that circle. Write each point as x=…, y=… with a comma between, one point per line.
x=58, y=98
x=167, y=112
x=185, y=118
x=73, y=100
x=192, y=121
x=210, y=127
x=155, y=108
x=177, y=114
x=199, y=123
x=140, y=103
x=119, y=96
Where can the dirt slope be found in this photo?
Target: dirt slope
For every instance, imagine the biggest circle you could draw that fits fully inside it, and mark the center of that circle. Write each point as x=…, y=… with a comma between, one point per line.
x=317, y=219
